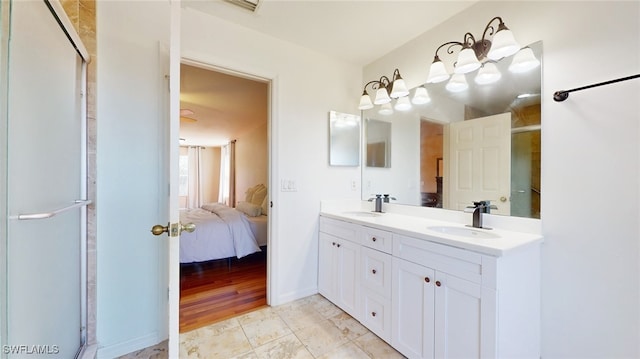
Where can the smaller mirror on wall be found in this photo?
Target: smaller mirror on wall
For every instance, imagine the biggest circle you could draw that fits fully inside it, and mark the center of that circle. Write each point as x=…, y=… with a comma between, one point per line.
x=344, y=139
x=378, y=143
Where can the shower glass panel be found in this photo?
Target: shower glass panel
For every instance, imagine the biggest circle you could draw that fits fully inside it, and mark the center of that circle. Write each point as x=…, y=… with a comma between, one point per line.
x=45, y=169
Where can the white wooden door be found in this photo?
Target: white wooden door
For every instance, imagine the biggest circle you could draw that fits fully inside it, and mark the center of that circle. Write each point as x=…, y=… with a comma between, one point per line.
x=458, y=317
x=480, y=162
x=412, y=322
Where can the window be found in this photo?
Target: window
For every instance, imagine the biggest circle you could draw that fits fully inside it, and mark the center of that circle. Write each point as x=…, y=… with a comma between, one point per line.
x=184, y=176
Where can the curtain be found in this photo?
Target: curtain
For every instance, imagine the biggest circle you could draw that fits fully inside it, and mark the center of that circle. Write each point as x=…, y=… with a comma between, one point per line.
x=195, y=197
x=227, y=194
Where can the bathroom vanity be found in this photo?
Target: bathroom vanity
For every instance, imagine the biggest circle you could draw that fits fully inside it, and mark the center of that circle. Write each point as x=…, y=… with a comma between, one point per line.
x=431, y=286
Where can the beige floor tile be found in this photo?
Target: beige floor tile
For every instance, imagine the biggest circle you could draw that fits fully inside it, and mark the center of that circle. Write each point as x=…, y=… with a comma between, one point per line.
x=346, y=351
x=264, y=328
x=321, y=337
x=289, y=347
x=324, y=307
x=376, y=347
x=209, y=342
x=299, y=317
x=350, y=327
x=158, y=351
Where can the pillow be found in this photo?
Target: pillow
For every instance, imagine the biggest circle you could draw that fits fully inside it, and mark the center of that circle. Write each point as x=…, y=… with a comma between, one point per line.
x=249, y=209
x=259, y=195
x=249, y=193
x=265, y=205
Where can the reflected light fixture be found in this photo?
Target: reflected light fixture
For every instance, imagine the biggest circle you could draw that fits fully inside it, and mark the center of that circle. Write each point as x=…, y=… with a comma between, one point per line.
x=496, y=43
x=386, y=91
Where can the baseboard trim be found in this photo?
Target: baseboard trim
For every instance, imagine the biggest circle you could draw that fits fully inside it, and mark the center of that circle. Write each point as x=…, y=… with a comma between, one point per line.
x=295, y=295
x=129, y=346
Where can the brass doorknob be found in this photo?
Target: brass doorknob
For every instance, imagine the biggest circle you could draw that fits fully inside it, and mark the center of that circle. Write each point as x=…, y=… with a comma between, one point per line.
x=158, y=229
x=503, y=199
x=189, y=227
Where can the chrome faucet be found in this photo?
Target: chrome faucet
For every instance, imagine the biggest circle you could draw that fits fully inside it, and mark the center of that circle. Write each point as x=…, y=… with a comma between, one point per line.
x=378, y=204
x=477, y=210
x=386, y=198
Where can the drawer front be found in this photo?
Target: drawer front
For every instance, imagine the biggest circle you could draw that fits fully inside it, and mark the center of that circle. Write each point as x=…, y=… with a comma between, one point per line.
x=377, y=239
x=376, y=315
x=339, y=229
x=459, y=262
x=376, y=271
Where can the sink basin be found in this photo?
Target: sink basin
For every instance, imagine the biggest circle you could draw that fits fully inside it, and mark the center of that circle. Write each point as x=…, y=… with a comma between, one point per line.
x=362, y=214
x=464, y=232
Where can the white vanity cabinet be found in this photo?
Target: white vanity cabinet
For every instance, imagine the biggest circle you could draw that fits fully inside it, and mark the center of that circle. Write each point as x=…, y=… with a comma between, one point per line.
x=339, y=263
x=439, y=306
x=431, y=297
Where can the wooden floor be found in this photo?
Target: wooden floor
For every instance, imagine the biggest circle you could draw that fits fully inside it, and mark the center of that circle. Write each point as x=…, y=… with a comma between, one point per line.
x=217, y=290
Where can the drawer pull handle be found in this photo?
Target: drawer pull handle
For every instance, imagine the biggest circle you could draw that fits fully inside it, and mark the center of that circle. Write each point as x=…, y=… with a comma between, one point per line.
x=438, y=283
x=338, y=245
x=373, y=314
x=333, y=244
x=374, y=239
x=373, y=271
x=426, y=279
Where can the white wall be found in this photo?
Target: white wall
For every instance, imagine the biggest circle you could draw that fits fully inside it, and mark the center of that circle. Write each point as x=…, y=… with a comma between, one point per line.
x=131, y=190
x=299, y=132
x=590, y=163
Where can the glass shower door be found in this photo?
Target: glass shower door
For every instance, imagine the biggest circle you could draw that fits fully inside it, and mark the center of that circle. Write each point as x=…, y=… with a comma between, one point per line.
x=45, y=187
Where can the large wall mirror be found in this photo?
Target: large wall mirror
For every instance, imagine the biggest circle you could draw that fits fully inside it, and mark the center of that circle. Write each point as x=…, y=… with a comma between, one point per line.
x=479, y=143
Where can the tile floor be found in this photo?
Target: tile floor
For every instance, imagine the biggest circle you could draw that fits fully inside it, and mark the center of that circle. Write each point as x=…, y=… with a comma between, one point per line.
x=311, y=327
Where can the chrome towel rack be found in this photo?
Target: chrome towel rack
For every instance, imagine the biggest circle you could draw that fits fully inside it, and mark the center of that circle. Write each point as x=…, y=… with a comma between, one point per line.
x=45, y=215
x=562, y=95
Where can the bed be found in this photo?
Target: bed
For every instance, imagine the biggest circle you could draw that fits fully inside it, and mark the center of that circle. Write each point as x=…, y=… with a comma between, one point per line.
x=221, y=232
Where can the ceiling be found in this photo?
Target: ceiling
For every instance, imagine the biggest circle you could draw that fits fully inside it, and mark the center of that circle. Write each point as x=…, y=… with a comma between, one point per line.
x=356, y=31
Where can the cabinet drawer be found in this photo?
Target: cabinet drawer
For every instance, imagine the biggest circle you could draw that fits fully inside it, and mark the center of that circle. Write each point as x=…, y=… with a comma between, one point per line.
x=376, y=314
x=377, y=239
x=339, y=229
x=376, y=271
x=456, y=261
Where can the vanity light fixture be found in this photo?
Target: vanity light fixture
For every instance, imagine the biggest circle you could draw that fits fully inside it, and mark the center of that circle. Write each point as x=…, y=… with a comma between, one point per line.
x=473, y=52
x=386, y=91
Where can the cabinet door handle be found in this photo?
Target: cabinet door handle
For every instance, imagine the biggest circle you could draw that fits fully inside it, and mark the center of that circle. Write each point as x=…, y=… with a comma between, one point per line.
x=374, y=239
x=426, y=279
x=438, y=283
x=333, y=244
x=338, y=245
x=373, y=271
x=373, y=314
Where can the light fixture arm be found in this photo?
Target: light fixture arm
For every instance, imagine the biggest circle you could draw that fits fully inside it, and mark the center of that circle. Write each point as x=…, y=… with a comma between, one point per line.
x=491, y=29
x=449, y=49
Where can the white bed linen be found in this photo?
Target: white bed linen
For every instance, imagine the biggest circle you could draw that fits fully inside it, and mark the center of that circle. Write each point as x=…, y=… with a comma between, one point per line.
x=221, y=232
x=259, y=225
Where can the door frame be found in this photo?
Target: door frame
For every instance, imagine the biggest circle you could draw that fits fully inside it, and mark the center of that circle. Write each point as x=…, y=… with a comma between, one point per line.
x=251, y=74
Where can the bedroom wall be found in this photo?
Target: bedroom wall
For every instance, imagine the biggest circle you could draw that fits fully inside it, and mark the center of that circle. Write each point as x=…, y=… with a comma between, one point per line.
x=251, y=160
x=590, y=163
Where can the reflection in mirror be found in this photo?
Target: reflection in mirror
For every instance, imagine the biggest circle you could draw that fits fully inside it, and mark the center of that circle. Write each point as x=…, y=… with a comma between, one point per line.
x=344, y=139
x=378, y=141
x=481, y=143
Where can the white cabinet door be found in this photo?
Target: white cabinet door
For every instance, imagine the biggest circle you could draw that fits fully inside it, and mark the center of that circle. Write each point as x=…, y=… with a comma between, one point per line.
x=412, y=300
x=458, y=318
x=338, y=264
x=326, y=267
x=348, y=260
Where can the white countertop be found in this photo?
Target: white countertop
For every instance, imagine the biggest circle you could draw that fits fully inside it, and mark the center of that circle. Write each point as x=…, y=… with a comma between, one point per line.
x=417, y=227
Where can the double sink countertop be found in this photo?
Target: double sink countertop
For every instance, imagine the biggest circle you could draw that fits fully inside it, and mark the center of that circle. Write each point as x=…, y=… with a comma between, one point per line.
x=441, y=226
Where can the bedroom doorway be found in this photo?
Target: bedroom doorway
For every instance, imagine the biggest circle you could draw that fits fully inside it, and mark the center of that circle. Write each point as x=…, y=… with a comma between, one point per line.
x=224, y=179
